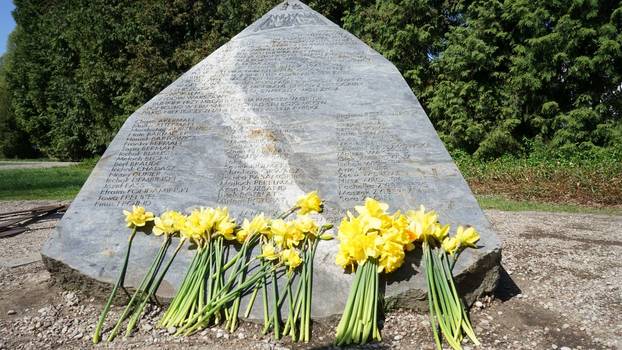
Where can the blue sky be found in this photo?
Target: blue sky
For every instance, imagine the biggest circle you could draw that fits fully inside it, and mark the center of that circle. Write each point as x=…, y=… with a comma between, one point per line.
x=6, y=22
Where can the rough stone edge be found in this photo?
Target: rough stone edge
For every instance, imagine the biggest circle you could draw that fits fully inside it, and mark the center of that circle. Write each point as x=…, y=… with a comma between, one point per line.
x=479, y=279
x=71, y=279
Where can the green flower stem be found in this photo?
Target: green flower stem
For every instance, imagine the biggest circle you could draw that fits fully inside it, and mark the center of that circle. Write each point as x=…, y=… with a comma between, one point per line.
x=140, y=291
x=288, y=213
x=306, y=330
x=452, y=296
x=298, y=300
x=437, y=309
x=445, y=298
x=180, y=293
x=428, y=269
x=209, y=307
x=264, y=297
x=279, y=304
x=178, y=313
x=376, y=333
x=276, y=314
x=251, y=301
x=290, y=318
x=186, y=308
x=120, y=280
x=342, y=334
x=215, y=304
x=152, y=290
x=466, y=324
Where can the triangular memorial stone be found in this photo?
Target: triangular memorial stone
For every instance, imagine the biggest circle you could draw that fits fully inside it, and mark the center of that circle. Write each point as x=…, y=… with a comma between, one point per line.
x=291, y=104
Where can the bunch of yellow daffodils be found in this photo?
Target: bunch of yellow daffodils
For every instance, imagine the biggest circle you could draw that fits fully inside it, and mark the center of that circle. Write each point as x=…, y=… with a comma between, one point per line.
x=208, y=229
x=375, y=241
x=287, y=245
x=292, y=244
x=371, y=242
x=440, y=252
x=374, y=234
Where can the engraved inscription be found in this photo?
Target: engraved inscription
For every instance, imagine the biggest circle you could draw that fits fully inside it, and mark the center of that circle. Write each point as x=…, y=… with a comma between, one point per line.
x=140, y=172
x=280, y=20
x=369, y=157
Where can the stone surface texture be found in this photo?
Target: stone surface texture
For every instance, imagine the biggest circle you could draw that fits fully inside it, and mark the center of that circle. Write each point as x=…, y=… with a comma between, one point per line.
x=290, y=105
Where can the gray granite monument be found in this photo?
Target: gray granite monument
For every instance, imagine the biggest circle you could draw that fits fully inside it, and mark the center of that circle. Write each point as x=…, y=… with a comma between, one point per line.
x=290, y=105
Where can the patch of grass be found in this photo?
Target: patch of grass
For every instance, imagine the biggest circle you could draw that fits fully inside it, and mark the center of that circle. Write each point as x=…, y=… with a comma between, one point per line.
x=590, y=178
x=51, y=183
x=501, y=203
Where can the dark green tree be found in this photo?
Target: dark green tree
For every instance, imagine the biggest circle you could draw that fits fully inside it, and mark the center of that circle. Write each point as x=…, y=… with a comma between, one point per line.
x=14, y=142
x=494, y=75
x=518, y=70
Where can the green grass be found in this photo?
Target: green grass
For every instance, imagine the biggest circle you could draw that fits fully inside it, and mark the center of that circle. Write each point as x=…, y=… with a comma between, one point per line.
x=51, y=183
x=501, y=203
x=588, y=178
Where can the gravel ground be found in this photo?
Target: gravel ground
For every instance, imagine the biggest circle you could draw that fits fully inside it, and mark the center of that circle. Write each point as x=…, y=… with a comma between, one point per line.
x=32, y=165
x=561, y=289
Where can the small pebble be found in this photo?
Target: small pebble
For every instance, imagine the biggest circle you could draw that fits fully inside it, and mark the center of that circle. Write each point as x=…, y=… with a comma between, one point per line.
x=11, y=312
x=479, y=304
x=565, y=348
x=171, y=330
x=397, y=337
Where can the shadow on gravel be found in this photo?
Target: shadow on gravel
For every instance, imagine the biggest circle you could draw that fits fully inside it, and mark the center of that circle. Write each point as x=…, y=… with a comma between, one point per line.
x=506, y=289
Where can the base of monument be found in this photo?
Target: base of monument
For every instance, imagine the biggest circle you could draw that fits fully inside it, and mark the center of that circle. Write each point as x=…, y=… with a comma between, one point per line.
x=479, y=279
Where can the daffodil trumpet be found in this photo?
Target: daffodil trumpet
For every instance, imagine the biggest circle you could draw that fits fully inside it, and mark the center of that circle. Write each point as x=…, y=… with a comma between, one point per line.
x=137, y=218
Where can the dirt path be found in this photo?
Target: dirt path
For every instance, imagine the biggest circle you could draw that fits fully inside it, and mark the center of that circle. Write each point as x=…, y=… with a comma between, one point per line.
x=562, y=290
x=7, y=164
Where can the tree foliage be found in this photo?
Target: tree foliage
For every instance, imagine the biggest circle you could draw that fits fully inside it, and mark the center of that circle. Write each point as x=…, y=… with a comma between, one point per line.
x=544, y=70
x=493, y=75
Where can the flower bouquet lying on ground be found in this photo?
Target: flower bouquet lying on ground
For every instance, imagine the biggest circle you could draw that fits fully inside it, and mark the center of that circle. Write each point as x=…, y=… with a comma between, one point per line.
x=375, y=241
x=216, y=280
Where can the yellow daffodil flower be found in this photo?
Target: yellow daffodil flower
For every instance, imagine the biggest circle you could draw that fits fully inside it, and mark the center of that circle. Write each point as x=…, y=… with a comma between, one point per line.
x=290, y=258
x=195, y=227
x=440, y=232
x=285, y=234
x=310, y=203
x=450, y=245
x=306, y=225
x=268, y=252
x=258, y=225
x=224, y=225
x=391, y=257
x=422, y=224
x=467, y=237
x=342, y=259
x=138, y=217
x=168, y=223
x=372, y=208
